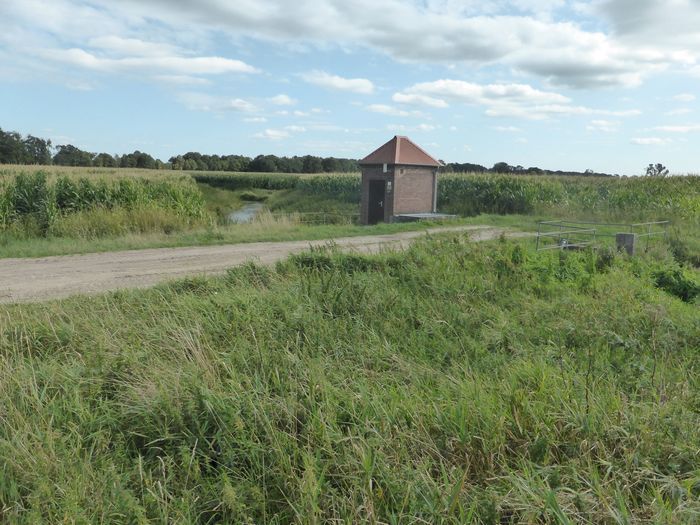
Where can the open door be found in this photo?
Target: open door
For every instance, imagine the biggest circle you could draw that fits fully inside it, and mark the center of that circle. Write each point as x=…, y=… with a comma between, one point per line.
x=377, y=198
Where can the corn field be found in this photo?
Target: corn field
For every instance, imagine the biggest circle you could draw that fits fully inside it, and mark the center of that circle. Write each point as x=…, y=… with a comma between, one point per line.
x=467, y=194
x=37, y=201
x=472, y=194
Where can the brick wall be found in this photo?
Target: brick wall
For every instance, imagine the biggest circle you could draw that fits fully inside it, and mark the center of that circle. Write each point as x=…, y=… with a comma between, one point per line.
x=413, y=189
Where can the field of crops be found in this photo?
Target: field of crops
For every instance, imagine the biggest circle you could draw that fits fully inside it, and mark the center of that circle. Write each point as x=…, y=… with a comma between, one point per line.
x=93, y=204
x=472, y=194
x=56, y=210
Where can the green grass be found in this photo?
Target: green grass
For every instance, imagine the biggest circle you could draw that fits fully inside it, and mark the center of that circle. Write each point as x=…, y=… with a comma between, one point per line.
x=452, y=383
x=267, y=229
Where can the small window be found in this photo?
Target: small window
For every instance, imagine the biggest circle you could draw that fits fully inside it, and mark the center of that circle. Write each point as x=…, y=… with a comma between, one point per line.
x=385, y=169
x=388, y=186
x=401, y=171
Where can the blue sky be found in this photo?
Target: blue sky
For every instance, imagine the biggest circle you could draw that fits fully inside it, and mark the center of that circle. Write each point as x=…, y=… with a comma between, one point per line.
x=608, y=85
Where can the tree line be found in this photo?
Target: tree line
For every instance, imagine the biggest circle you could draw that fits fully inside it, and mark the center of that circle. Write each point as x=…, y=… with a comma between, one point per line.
x=18, y=149
x=504, y=167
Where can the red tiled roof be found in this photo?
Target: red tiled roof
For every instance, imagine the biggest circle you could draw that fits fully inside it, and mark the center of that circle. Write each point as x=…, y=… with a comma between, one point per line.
x=400, y=150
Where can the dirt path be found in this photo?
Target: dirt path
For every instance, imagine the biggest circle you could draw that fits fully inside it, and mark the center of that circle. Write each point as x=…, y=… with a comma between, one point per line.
x=27, y=280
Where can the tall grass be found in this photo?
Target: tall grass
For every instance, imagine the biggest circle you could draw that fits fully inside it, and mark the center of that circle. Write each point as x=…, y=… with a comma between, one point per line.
x=38, y=204
x=453, y=383
x=677, y=197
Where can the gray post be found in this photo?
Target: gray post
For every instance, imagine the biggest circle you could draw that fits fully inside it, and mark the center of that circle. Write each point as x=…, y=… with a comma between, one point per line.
x=627, y=242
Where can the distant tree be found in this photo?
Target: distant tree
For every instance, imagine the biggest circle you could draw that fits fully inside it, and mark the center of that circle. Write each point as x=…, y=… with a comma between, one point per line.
x=264, y=164
x=502, y=167
x=463, y=167
x=69, y=155
x=37, y=151
x=177, y=163
x=237, y=163
x=312, y=164
x=144, y=160
x=12, y=150
x=657, y=170
x=330, y=165
x=104, y=160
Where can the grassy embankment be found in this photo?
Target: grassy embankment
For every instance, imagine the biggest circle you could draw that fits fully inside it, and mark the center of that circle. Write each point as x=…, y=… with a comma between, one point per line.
x=453, y=383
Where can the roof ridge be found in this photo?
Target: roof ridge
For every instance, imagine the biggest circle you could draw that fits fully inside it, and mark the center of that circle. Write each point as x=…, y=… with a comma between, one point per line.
x=400, y=150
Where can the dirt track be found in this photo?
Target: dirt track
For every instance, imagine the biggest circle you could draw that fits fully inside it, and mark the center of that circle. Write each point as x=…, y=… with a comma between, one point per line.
x=27, y=280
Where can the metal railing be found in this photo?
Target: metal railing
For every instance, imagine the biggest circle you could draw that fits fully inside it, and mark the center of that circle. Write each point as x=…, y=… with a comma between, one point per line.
x=568, y=234
x=572, y=238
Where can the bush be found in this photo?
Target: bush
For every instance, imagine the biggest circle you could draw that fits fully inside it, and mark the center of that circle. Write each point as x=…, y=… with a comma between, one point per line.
x=678, y=282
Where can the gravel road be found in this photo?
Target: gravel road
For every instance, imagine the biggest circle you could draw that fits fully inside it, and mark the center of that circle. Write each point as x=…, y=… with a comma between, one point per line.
x=41, y=279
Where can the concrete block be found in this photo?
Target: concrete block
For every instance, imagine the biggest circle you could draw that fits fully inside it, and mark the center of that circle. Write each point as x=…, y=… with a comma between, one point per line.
x=626, y=242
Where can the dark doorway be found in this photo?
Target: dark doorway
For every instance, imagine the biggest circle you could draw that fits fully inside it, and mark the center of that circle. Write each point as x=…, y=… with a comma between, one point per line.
x=377, y=196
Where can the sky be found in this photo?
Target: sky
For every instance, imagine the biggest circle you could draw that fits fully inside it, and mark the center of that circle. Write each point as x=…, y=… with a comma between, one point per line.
x=607, y=85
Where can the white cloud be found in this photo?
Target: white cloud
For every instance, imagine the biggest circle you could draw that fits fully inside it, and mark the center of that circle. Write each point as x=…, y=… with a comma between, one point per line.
x=684, y=97
x=484, y=94
x=664, y=25
x=205, y=102
x=133, y=46
x=181, y=80
x=679, y=111
x=507, y=129
x=295, y=129
x=272, y=134
x=255, y=119
x=650, y=141
x=504, y=100
x=606, y=126
x=282, y=100
x=412, y=98
x=362, y=86
x=172, y=64
x=646, y=37
x=385, y=109
x=404, y=129
x=687, y=128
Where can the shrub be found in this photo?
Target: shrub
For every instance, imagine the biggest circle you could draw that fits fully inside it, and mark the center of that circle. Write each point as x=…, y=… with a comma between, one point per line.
x=678, y=282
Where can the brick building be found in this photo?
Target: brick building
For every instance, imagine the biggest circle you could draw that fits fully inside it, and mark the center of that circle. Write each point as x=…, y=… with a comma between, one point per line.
x=397, y=178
